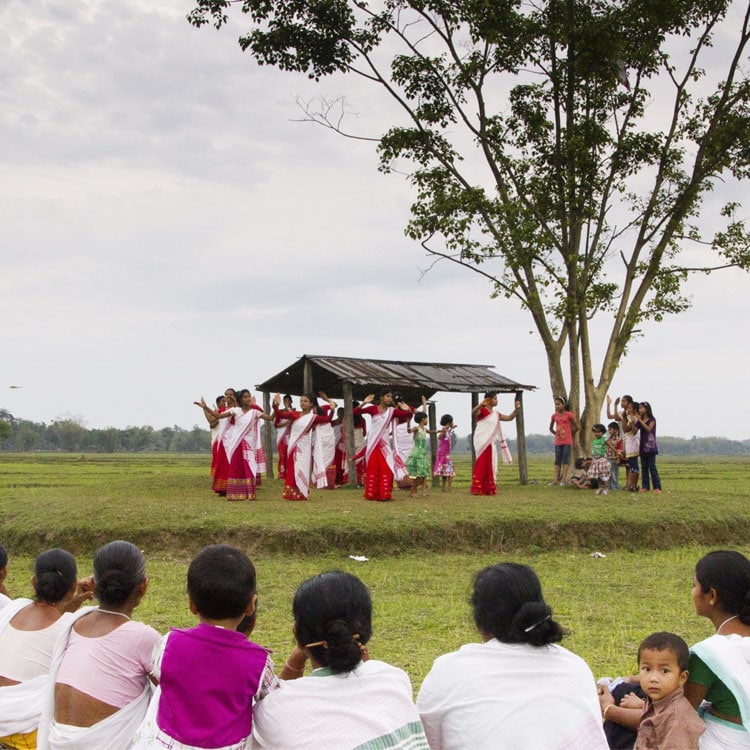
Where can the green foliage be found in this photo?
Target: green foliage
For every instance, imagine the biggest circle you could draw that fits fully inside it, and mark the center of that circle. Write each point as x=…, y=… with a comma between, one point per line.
x=536, y=150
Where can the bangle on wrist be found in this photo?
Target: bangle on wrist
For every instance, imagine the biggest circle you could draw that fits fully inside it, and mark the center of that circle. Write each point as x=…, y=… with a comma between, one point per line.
x=293, y=669
x=606, y=708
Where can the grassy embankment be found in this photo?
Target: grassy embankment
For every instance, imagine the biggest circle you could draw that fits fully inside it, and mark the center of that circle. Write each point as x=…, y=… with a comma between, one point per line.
x=422, y=552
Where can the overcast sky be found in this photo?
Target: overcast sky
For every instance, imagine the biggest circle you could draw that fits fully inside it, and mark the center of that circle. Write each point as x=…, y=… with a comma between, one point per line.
x=168, y=230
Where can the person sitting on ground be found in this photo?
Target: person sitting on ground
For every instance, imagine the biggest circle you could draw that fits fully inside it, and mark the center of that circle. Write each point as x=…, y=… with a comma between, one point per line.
x=718, y=683
x=669, y=721
x=580, y=476
x=100, y=666
x=209, y=675
x=516, y=689
x=28, y=631
x=349, y=701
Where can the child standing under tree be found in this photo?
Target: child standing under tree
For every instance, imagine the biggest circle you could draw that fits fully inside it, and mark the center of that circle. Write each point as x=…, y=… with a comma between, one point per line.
x=614, y=454
x=417, y=463
x=563, y=425
x=632, y=445
x=599, y=468
x=443, y=464
x=649, y=450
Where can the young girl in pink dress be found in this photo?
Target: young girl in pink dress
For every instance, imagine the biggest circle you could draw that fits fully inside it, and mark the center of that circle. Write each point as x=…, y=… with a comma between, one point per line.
x=443, y=464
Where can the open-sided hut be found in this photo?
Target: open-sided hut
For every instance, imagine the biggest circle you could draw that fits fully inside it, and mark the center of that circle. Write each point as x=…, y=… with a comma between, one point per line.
x=350, y=379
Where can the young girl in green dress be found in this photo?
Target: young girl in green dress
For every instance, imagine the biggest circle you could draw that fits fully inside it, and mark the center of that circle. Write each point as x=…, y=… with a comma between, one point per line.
x=418, y=463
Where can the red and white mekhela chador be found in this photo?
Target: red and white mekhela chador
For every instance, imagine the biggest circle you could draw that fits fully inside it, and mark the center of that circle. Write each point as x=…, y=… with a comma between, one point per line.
x=382, y=462
x=283, y=427
x=339, y=458
x=240, y=444
x=360, y=436
x=219, y=460
x=301, y=461
x=260, y=454
x=486, y=432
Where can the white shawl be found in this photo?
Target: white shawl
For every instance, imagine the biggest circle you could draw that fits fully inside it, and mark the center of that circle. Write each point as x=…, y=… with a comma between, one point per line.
x=20, y=705
x=324, y=448
x=486, y=432
x=377, y=436
x=114, y=733
x=728, y=657
x=244, y=429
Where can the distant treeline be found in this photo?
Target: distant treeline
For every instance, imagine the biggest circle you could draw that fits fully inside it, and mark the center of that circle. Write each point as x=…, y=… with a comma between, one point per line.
x=70, y=436
x=669, y=446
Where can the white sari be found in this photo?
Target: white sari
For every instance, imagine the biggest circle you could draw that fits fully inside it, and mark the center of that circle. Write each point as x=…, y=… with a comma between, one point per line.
x=728, y=657
x=324, y=448
x=300, y=438
x=116, y=732
x=21, y=704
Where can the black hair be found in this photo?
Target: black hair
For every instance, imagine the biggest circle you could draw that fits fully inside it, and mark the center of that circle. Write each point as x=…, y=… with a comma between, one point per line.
x=579, y=462
x=616, y=425
x=490, y=394
x=221, y=582
x=599, y=428
x=55, y=572
x=508, y=605
x=420, y=417
x=563, y=400
x=119, y=567
x=3, y=556
x=220, y=398
x=629, y=398
x=334, y=608
x=445, y=420
x=667, y=642
x=239, y=394
x=285, y=397
x=649, y=412
x=728, y=573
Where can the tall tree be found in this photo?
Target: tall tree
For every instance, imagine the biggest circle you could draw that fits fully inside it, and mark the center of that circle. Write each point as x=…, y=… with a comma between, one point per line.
x=560, y=148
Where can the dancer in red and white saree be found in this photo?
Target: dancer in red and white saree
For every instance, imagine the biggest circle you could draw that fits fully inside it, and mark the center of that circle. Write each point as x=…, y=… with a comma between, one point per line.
x=240, y=446
x=283, y=426
x=382, y=463
x=303, y=455
x=487, y=432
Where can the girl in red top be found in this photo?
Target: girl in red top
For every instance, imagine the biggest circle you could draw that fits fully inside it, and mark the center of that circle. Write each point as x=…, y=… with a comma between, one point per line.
x=563, y=425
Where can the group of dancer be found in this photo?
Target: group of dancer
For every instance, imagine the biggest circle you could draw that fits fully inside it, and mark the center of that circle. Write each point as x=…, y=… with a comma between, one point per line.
x=91, y=677
x=311, y=444
x=627, y=440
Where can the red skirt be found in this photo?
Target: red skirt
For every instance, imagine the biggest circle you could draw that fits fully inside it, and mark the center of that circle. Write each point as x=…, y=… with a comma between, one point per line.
x=221, y=471
x=241, y=481
x=378, y=478
x=483, y=477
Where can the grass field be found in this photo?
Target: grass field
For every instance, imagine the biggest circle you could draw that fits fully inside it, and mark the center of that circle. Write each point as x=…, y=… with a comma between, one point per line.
x=423, y=552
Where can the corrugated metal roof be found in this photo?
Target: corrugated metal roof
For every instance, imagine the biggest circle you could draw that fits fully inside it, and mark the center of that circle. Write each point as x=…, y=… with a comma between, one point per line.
x=412, y=379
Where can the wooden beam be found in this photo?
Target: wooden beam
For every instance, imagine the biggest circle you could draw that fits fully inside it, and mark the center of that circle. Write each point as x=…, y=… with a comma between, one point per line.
x=268, y=436
x=523, y=469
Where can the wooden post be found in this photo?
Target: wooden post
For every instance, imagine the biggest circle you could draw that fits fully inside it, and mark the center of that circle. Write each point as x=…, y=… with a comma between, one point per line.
x=307, y=377
x=432, y=421
x=268, y=436
x=523, y=469
x=351, y=467
x=474, y=404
